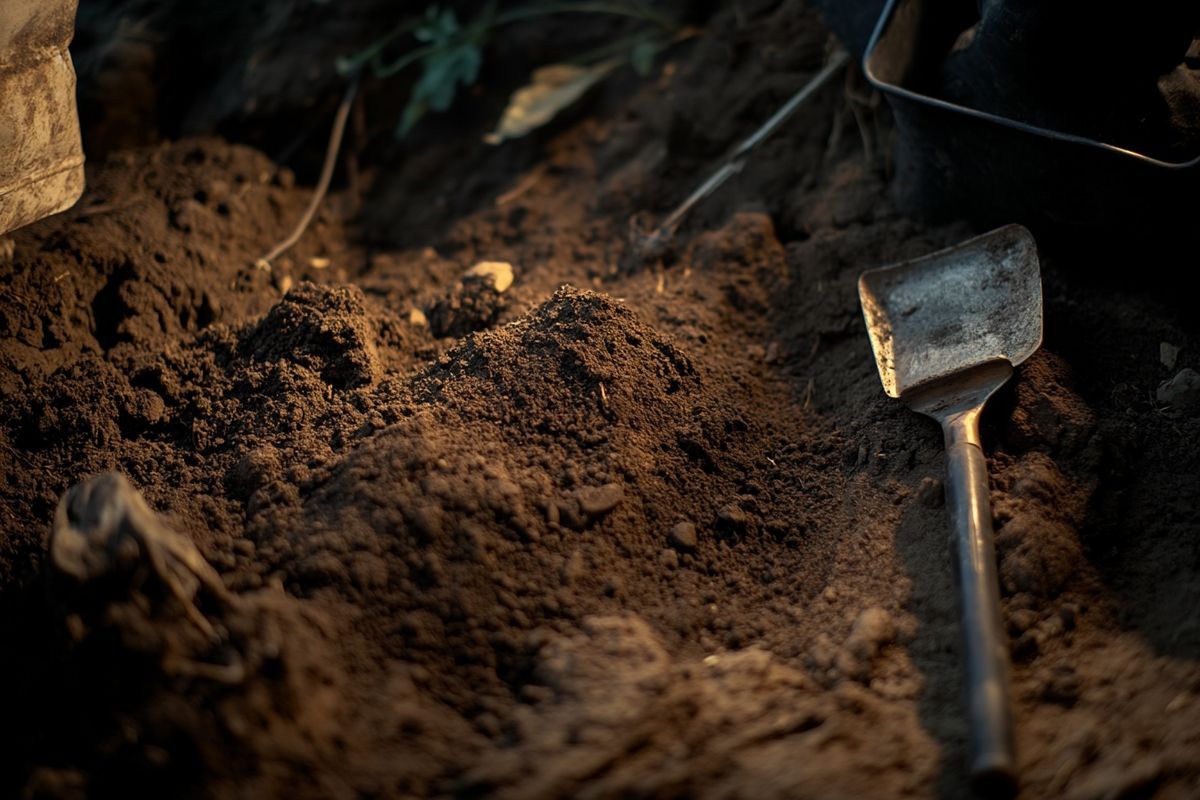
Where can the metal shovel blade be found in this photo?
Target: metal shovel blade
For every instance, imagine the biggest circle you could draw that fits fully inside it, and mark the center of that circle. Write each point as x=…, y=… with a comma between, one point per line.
x=971, y=303
x=947, y=330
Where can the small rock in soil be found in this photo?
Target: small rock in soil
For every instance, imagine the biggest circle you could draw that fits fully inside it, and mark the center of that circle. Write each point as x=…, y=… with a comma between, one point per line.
x=683, y=537
x=498, y=273
x=597, y=500
x=732, y=519
x=1168, y=354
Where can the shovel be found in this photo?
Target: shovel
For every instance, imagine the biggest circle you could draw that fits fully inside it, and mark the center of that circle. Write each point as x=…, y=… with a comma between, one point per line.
x=947, y=330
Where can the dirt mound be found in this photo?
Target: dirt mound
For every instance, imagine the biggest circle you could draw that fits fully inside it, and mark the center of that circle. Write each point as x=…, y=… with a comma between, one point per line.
x=325, y=329
x=488, y=539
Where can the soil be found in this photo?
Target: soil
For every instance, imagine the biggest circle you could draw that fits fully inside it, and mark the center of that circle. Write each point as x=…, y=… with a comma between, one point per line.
x=633, y=526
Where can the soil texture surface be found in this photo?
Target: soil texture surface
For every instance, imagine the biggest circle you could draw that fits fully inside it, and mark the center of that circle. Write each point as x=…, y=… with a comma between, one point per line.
x=629, y=526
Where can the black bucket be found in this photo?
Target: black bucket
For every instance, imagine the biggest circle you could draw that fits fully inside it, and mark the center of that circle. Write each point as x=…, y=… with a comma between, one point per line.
x=955, y=162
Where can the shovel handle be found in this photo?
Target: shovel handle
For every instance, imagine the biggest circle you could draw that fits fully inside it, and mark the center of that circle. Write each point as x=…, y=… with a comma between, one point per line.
x=985, y=645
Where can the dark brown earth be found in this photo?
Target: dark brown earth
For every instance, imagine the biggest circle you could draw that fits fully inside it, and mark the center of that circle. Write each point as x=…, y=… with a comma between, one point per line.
x=653, y=530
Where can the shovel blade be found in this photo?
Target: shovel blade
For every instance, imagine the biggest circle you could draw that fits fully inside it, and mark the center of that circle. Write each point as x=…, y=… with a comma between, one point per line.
x=954, y=309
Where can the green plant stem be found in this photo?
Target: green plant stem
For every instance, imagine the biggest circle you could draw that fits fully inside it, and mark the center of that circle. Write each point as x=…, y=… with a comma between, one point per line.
x=373, y=52
x=375, y=48
x=411, y=57
x=612, y=48
x=531, y=12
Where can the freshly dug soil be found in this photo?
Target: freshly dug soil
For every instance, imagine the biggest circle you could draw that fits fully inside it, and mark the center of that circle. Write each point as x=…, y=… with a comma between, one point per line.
x=631, y=527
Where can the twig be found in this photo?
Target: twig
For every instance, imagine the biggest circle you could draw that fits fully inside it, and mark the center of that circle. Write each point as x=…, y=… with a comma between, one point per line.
x=737, y=158
x=523, y=186
x=331, y=153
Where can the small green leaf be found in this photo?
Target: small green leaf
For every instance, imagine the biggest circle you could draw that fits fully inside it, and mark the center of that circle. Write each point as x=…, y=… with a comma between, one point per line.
x=443, y=72
x=439, y=26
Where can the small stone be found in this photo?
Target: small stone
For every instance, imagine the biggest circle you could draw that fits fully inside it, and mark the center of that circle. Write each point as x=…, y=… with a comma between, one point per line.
x=498, y=273
x=1168, y=354
x=683, y=537
x=416, y=317
x=597, y=500
x=733, y=516
x=669, y=558
x=1181, y=393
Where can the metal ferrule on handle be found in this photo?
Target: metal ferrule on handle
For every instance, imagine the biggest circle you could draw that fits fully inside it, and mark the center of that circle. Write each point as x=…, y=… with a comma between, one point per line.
x=985, y=649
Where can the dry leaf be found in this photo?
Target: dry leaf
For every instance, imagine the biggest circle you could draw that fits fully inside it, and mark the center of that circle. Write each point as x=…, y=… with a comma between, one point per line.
x=551, y=89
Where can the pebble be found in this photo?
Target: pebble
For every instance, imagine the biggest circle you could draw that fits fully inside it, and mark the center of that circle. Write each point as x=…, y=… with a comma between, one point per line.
x=1168, y=354
x=669, y=558
x=733, y=516
x=499, y=273
x=597, y=500
x=1182, y=392
x=683, y=537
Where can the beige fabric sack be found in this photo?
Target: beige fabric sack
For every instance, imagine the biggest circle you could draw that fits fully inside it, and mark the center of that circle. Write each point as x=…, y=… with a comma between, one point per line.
x=41, y=159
